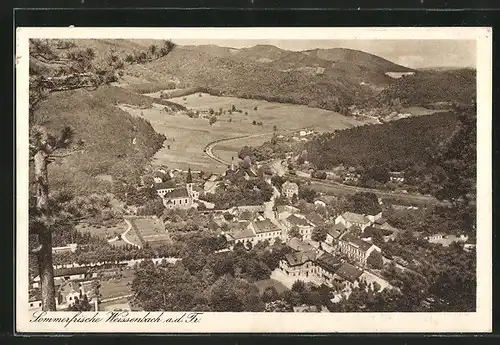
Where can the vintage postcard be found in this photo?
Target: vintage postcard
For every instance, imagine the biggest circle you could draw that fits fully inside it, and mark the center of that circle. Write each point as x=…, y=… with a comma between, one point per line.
x=229, y=180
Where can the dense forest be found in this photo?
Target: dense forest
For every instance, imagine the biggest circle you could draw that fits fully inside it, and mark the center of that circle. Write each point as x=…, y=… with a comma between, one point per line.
x=397, y=144
x=429, y=88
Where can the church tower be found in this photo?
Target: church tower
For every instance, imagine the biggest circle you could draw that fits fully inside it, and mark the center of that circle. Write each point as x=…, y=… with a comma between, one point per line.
x=189, y=183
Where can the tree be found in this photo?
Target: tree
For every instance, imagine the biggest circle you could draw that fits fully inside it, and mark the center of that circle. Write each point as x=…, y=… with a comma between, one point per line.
x=153, y=50
x=307, y=194
x=246, y=163
x=377, y=173
x=319, y=234
x=254, y=122
x=233, y=108
x=275, y=128
x=375, y=260
x=43, y=213
x=270, y=294
x=365, y=203
x=212, y=120
x=294, y=232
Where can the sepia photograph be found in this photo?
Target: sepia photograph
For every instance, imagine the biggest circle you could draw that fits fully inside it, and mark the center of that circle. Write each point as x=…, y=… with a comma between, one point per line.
x=238, y=175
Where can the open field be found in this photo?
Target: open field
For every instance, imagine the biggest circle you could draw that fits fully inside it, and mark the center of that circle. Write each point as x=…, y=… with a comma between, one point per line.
x=102, y=231
x=188, y=137
x=263, y=284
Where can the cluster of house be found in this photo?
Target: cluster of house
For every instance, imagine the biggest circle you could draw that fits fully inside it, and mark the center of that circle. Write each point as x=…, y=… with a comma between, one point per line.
x=181, y=197
x=71, y=284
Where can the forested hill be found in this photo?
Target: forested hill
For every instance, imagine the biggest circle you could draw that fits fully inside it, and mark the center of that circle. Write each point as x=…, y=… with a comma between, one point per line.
x=429, y=88
x=397, y=144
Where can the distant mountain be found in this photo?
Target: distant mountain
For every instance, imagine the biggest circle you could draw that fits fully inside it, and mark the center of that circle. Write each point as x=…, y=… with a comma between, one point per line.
x=432, y=88
x=240, y=77
x=357, y=58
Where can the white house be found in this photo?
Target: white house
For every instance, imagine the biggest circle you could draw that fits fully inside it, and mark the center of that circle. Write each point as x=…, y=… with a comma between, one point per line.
x=356, y=249
x=302, y=223
x=289, y=189
x=349, y=219
x=265, y=230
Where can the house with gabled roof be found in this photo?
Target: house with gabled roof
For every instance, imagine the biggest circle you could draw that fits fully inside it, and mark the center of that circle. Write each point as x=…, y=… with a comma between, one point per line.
x=350, y=219
x=302, y=223
x=265, y=230
x=356, y=249
x=334, y=232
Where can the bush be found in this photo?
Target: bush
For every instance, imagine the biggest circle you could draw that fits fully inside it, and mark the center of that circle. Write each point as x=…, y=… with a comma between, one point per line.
x=375, y=260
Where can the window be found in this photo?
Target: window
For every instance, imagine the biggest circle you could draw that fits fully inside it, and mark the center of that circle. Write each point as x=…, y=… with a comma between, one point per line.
x=31, y=305
x=70, y=298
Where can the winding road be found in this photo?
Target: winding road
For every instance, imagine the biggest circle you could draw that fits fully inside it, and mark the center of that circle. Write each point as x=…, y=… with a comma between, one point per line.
x=208, y=149
x=418, y=198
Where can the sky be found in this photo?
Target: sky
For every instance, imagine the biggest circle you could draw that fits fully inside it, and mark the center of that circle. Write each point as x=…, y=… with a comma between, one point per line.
x=416, y=53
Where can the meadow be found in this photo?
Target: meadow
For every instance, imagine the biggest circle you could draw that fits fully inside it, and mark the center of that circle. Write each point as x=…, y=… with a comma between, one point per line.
x=102, y=231
x=187, y=137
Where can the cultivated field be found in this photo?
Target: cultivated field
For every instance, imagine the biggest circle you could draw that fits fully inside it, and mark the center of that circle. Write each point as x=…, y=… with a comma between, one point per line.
x=150, y=230
x=188, y=137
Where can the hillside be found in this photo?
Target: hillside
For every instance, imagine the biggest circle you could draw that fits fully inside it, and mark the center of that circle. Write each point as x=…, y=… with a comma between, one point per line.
x=357, y=58
x=397, y=144
x=429, y=88
x=116, y=144
x=234, y=77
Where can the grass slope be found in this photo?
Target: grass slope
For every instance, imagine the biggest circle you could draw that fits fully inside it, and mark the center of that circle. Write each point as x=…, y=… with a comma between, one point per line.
x=108, y=133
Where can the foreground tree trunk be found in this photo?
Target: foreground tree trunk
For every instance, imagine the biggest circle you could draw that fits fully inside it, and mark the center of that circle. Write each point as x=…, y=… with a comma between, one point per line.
x=45, y=267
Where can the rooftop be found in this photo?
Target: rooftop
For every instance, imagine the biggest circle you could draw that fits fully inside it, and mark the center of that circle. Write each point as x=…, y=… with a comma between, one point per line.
x=380, y=221
x=242, y=233
x=180, y=192
x=289, y=184
x=357, y=242
x=165, y=185
x=265, y=225
x=299, y=245
x=300, y=258
x=295, y=220
x=329, y=262
x=349, y=272
x=335, y=230
x=355, y=218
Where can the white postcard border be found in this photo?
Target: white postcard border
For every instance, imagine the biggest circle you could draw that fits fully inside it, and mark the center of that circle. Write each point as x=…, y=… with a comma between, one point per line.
x=479, y=321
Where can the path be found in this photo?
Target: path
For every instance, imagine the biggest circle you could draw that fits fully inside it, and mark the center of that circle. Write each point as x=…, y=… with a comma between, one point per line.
x=124, y=235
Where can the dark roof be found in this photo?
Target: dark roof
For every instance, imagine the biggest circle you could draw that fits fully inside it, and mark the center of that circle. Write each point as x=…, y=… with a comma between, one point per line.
x=294, y=220
x=335, y=230
x=315, y=218
x=357, y=242
x=177, y=193
x=165, y=185
x=68, y=271
x=300, y=258
x=329, y=262
x=247, y=215
x=265, y=225
x=349, y=272
x=380, y=221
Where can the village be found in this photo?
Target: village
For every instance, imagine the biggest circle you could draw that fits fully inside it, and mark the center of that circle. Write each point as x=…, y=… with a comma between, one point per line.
x=337, y=250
